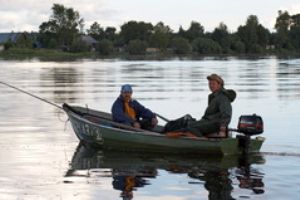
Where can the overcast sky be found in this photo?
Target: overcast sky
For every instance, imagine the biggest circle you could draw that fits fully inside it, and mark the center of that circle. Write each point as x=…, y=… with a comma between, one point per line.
x=27, y=15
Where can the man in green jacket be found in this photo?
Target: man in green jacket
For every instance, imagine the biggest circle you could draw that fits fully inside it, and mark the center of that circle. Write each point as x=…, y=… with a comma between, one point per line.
x=219, y=111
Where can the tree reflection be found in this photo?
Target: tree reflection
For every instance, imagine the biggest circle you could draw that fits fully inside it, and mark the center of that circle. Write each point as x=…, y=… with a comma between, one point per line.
x=63, y=83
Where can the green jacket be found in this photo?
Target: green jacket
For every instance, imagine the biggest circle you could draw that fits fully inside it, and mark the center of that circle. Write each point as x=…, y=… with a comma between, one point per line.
x=219, y=106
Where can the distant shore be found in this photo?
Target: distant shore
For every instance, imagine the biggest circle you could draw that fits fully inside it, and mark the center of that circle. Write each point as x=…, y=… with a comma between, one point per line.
x=58, y=55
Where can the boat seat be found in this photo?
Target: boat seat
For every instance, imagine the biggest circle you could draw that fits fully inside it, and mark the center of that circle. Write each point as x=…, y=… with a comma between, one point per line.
x=219, y=134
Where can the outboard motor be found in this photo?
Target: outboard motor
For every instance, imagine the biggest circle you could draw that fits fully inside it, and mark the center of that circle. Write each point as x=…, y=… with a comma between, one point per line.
x=248, y=125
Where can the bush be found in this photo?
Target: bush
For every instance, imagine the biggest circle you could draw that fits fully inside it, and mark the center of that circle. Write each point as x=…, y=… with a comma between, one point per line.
x=8, y=44
x=24, y=41
x=105, y=47
x=181, y=45
x=136, y=47
x=256, y=48
x=238, y=47
x=79, y=46
x=206, y=46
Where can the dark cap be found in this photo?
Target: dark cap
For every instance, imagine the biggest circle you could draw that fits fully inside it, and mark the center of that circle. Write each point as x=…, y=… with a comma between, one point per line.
x=217, y=78
x=126, y=88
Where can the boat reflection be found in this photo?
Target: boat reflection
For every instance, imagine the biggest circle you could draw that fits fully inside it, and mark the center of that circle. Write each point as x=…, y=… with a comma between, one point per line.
x=130, y=171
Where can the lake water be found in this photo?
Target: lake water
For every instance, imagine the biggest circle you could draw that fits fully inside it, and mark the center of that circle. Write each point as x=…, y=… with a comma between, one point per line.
x=40, y=156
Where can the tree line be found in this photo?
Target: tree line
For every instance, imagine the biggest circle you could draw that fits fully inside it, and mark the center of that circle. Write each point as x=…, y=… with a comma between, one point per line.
x=65, y=27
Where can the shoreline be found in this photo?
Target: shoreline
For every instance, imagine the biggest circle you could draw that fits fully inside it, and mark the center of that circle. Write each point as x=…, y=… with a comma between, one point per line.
x=57, y=55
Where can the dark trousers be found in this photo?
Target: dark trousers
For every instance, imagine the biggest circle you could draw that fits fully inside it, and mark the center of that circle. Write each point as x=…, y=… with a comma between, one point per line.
x=146, y=124
x=203, y=127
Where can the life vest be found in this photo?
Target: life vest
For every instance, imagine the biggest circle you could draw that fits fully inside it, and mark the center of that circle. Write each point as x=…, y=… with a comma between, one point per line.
x=129, y=183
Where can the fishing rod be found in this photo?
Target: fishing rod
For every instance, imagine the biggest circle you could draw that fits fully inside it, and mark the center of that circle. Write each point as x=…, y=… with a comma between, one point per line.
x=51, y=103
x=32, y=95
x=162, y=117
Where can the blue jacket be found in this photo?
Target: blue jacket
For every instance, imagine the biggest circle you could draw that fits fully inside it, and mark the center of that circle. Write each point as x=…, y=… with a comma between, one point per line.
x=119, y=115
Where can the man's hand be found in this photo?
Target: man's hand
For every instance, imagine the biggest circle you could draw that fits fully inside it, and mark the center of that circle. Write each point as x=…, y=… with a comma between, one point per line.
x=154, y=121
x=136, y=125
x=222, y=131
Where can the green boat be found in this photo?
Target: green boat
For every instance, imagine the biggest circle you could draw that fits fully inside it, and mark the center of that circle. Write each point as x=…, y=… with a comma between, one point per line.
x=97, y=129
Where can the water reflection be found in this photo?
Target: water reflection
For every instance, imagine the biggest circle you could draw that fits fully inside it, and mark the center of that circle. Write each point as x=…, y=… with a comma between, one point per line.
x=216, y=182
x=31, y=130
x=131, y=171
x=287, y=76
x=63, y=83
x=127, y=181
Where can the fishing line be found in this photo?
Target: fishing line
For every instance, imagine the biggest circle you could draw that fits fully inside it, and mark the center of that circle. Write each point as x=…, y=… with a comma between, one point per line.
x=32, y=95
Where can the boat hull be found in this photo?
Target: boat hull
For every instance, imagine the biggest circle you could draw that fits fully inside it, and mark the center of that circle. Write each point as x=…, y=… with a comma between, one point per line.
x=103, y=135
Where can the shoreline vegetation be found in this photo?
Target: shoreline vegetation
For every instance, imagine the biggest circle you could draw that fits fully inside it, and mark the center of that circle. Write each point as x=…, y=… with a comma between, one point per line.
x=59, y=55
x=63, y=37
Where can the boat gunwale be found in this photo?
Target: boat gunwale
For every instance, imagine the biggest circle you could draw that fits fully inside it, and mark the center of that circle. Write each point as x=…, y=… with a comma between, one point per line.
x=144, y=132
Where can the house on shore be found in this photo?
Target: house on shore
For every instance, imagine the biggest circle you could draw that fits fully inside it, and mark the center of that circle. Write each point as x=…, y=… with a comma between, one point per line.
x=89, y=41
x=7, y=37
x=23, y=37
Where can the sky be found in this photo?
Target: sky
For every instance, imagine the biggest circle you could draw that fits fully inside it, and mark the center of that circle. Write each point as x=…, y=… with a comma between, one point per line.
x=27, y=15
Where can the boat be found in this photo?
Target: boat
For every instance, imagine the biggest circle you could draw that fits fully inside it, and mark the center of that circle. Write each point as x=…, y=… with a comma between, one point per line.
x=97, y=129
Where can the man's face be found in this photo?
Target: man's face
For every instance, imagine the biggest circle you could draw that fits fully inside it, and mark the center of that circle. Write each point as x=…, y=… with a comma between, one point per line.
x=126, y=96
x=214, y=85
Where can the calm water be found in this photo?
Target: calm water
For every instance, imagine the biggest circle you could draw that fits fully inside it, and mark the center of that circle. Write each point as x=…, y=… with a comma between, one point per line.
x=40, y=157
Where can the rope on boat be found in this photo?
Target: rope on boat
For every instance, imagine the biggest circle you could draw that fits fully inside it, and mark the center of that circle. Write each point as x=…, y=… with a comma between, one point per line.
x=32, y=95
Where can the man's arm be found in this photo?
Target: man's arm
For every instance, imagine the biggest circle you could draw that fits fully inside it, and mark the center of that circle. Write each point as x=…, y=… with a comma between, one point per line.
x=143, y=111
x=225, y=111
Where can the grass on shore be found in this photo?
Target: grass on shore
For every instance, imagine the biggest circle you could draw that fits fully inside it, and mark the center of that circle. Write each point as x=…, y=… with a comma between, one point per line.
x=58, y=55
x=42, y=54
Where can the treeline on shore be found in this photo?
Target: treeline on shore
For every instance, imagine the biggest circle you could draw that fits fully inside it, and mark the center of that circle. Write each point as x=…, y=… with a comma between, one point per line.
x=64, y=31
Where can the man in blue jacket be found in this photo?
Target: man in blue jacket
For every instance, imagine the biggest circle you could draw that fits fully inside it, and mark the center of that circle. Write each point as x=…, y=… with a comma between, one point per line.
x=129, y=111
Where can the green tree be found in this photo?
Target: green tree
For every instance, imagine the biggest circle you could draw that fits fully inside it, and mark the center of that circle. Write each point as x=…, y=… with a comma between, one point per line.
x=133, y=30
x=137, y=47
x=294, y=33
x=161, y=36
x=282, y=26
x=24, y=41
x=283, y=22
x=63, y=26
x=236, y=44
x=110, y=33
x=195, y=30
x=8, y=44
x=222, y=36
x=96, y=31
x=180, y=45
x=79, y=45
x=254, y=35
x=206, y=46
x=105, y=47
